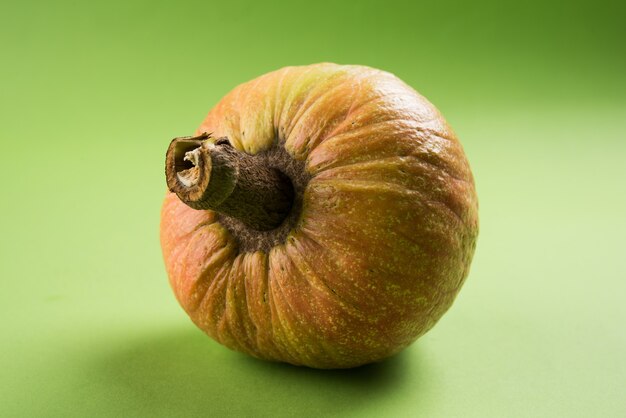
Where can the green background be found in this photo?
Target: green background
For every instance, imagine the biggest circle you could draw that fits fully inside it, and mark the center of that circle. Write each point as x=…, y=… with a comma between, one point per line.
x=92, y=92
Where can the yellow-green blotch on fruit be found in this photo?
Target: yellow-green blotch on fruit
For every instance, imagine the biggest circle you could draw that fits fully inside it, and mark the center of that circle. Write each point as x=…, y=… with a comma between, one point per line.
x=323, y=215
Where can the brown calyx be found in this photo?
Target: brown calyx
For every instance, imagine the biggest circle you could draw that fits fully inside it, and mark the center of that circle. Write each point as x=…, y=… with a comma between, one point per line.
x=211, y=174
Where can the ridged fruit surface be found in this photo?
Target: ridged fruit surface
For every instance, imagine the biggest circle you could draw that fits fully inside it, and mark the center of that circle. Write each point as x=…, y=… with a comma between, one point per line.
x=385, y=236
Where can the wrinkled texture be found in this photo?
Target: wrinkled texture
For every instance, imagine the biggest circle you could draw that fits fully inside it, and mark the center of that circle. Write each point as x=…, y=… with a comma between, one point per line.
x=385, y=237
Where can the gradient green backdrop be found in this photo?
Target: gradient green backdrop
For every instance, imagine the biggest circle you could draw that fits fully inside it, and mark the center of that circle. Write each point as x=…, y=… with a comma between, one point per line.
x=92, y=92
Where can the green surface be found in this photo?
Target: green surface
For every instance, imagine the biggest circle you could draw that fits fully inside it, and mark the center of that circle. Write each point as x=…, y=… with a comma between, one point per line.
x=90, y=95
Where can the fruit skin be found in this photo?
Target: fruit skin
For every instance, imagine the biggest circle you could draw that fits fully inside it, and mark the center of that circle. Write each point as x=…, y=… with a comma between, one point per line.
x=386, y=234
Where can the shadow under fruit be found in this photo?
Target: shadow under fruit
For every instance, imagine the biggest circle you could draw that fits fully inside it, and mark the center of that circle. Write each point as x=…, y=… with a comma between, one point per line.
x=179, y=373
x=323, y=215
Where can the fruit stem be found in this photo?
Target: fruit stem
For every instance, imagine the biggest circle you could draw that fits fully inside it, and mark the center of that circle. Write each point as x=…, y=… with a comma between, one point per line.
x=207, y=173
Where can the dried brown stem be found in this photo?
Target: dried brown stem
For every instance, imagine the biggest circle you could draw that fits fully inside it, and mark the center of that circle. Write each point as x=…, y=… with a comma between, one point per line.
x=211, y=174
